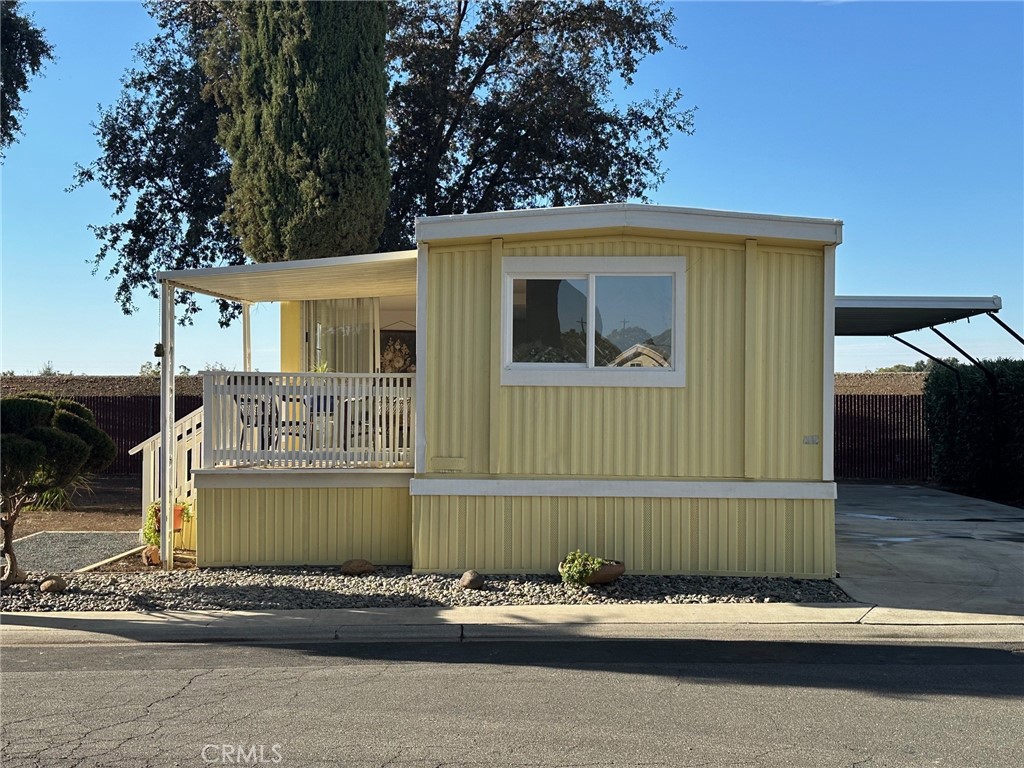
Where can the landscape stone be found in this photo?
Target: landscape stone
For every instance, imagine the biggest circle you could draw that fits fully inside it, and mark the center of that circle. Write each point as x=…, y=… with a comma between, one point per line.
x=357, y=567
x=53, y=584
x=151, y=556
x=471, y=580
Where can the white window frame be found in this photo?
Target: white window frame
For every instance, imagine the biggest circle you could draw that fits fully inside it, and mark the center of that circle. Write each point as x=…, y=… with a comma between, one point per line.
x=589, y=268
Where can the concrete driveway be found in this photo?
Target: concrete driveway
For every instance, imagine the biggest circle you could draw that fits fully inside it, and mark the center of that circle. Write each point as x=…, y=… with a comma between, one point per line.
x=905, y=546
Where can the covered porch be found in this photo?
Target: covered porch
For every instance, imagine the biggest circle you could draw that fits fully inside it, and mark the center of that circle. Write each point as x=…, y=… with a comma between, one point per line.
x=342, y=403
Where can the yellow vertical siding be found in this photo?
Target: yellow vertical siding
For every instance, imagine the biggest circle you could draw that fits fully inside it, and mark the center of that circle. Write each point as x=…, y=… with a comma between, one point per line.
x=303, y=526
x=186, y=538
x=695, y=431
x=789, y=331
x=292, y=336
x=766, y=537
x=458, y=343
x=753, y=368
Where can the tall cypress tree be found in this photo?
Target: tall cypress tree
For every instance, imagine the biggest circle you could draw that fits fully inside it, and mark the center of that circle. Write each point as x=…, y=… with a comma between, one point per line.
x=305, y=129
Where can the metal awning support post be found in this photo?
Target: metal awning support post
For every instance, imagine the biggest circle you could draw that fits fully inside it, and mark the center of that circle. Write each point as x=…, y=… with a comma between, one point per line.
x=1006, y=328
x=937, y=361
x=989, y=376
x=167, y=447
x=246, y=337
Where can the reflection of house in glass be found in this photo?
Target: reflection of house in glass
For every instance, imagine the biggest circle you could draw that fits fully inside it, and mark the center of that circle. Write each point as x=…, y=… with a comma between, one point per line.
x=640, y=356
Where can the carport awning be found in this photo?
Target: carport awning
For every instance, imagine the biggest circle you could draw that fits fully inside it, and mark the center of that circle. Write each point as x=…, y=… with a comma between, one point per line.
x=344, y=277
x=889, y=315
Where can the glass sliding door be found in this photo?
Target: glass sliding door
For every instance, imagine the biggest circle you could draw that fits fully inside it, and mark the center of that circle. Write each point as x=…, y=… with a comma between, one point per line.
x=342, y=335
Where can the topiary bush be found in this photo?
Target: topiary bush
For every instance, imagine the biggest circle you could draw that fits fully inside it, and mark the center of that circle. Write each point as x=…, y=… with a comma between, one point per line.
x=46, y=444
x=977, y=431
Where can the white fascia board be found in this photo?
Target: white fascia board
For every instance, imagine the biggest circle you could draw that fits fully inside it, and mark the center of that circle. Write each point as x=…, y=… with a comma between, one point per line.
x=628, y=489
x=615, y=215
x=183, y=275
x=227, y=477
x=986, y=303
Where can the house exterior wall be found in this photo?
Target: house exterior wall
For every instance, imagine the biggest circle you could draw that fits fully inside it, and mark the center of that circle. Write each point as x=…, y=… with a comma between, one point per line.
x=751, y=410
x=753, y=358
x=291, y=336
x=303, y=526
x=782, y=537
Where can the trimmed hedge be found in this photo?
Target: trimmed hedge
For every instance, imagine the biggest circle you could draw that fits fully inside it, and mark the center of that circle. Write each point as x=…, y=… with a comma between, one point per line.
x=977, y=431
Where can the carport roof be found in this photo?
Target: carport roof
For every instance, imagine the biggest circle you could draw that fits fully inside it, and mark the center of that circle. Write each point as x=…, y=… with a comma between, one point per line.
x=889, y=315
x=343, y=277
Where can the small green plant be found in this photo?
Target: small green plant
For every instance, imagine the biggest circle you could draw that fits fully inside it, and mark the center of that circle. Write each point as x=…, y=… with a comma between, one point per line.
x=577, y=567
x=151, y=526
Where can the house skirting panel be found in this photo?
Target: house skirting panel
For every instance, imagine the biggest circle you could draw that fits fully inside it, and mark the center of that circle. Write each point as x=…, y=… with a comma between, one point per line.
x=530, y=534
x=303, y=525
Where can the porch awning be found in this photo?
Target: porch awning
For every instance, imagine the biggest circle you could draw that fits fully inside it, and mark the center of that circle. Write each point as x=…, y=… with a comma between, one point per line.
x=344, y=277
x=889, y=315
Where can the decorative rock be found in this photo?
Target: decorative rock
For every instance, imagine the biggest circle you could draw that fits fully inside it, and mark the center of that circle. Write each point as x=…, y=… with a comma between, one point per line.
x=20, y=577
x=357, y=567
x=151, y=556
x=53, y=584
x=471, y=580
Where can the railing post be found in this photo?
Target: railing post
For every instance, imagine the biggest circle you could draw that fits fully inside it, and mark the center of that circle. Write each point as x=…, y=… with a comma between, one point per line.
x=210, y=420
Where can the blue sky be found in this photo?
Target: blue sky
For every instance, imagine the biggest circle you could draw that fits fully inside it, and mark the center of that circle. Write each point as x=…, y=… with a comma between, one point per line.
x=904, y=120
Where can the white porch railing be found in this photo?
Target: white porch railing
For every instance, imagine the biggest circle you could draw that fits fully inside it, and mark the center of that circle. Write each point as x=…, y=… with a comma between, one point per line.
x=188, y=447
x=308, y=419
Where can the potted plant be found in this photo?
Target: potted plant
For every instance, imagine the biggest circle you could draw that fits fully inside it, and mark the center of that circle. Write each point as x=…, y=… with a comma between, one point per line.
x=583, y=569
x=151, y=526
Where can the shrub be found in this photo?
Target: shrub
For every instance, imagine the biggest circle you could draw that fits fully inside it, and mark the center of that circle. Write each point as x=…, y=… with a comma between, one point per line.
x=77, y=409
x=977, y=431
x=47, y=445
x=102, y=449
x=20, y=414
x=578, y=566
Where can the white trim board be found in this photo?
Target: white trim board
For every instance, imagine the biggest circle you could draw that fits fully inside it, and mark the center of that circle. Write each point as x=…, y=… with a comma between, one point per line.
x=625, y=489
x=301, y=478
x=541, y=221
x=592, y=268
x=828, y=365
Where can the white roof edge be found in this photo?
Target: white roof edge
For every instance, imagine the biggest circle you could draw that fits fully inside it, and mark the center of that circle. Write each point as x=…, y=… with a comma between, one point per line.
x=174, y=275
x=994, y=303
x=709, y=221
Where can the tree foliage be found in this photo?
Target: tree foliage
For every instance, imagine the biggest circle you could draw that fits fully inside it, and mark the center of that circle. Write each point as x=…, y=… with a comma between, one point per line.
x=500, y=104
x=304, y=127
x=23, y=49
x=492, y=105
x=162, y=165
x=46, y=444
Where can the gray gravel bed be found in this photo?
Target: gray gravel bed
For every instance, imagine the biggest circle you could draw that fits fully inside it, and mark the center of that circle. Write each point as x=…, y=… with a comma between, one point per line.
x=307, y=587
x=66, y=551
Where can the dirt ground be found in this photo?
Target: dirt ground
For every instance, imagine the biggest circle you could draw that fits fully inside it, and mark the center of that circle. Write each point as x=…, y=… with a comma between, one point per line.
x=114, y=504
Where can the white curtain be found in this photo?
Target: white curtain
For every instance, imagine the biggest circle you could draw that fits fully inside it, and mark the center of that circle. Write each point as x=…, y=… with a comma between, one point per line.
x=343, y=335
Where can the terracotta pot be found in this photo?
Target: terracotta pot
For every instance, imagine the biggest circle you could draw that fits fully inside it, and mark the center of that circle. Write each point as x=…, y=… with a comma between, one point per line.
x=606, y=574
x=179, y=518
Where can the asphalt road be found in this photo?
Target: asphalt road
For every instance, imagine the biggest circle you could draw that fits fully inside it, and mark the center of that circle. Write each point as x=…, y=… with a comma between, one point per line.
x=564, y=703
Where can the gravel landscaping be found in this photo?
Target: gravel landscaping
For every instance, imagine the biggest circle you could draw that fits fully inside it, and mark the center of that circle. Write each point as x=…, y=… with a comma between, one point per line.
x=293, y=588
x=58, y=551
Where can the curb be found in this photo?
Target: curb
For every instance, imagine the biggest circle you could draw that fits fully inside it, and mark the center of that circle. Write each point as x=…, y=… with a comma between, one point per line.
x=790, y=622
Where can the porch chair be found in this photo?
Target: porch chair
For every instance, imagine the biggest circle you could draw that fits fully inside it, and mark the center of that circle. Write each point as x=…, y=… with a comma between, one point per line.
x=257, y=411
